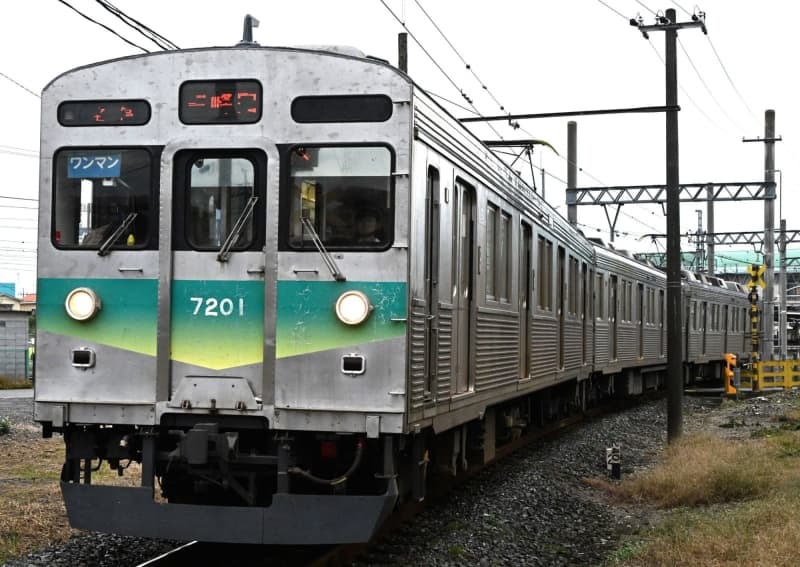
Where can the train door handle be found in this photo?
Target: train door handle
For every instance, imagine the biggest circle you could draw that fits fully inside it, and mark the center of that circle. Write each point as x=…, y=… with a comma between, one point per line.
x=255, y=270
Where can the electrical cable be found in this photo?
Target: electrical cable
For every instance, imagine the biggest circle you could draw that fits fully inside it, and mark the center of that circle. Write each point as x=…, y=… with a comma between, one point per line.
x=15, y=148
x=642, y=4
x=21, y=154
x=620, y=14
x=20, y=85
x=729, y=78
x=467, y=65
x=700, y=76
x=19, y=198
x=152, y=35
x=684, y=91
x=105, y=27
x=447, y=100
x=436, y=63
x=688, y=13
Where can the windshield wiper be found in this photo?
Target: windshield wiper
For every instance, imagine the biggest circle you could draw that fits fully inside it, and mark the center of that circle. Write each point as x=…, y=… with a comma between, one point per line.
x=327, y=258
x=105, y=247
x=225, y=251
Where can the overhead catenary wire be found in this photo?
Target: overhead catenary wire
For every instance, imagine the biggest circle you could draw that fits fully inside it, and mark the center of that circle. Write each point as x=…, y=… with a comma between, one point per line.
x=4, y=206
x=458, y=54
x=457, y=105
x=17, y=149
x=643, y=5
x=617, y=12
x=684, y=91
x=21, y=154
x=138, y=26
x=105, y=27
x=20, y=85
x=703, y=82
x=688, y=13
x=719, y=59
x=19, y=198
x=435, y=62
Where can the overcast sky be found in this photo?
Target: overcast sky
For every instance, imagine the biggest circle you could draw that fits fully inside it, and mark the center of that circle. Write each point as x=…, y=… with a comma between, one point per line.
x=531, y=56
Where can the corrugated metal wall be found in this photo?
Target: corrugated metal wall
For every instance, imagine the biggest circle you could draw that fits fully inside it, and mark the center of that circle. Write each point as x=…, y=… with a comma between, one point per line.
x=14, y=346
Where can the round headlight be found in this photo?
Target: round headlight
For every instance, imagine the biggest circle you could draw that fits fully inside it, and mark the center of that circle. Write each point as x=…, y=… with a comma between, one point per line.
x=82, y=304
x=352, y=307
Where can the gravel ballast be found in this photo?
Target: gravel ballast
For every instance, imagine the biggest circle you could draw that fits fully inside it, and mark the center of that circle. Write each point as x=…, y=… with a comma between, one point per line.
x=532, y=508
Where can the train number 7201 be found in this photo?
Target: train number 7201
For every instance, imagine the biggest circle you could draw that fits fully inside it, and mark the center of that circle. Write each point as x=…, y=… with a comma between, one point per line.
x=215, y=307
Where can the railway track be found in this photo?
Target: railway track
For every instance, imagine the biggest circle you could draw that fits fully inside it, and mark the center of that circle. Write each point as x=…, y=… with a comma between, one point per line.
x=235, y=555
x=232, y=555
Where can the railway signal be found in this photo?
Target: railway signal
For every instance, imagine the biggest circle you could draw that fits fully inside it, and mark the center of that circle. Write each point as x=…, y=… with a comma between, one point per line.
x=756, y=271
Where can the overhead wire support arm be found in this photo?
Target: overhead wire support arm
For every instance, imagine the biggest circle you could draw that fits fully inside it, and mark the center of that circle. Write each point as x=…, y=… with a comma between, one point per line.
x=633, y=110
x=688, y=192
x=734, y=238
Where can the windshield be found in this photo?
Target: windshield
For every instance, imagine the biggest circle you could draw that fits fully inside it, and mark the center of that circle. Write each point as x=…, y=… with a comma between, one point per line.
x=96, y=191
x=219, y=191
x=346, y=194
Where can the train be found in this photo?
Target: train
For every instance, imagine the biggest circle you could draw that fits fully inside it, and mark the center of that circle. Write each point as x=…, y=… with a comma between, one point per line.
x=292, y=288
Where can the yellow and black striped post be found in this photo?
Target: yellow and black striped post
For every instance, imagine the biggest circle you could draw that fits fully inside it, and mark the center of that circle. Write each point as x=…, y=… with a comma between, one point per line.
x=756, y=271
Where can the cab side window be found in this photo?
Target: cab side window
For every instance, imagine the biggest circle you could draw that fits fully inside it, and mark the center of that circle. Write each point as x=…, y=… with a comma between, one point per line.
x=343, y=193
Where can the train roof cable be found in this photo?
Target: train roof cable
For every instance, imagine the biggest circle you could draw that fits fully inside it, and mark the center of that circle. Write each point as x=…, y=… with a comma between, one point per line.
x=20, y=85
x=144, y=30
x=105, y=27
x=435, y=62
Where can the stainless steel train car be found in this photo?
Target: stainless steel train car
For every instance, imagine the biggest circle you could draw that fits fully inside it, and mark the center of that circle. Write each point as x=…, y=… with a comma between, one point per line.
x=292, y=287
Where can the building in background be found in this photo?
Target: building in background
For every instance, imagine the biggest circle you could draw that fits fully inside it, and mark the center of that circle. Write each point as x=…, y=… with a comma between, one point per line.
x=14, y=357
x=8, y=288
x=28, y=302
x=9, y=302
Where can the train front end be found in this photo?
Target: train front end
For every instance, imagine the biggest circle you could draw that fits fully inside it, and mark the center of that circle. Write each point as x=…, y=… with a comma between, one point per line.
x=223, y=259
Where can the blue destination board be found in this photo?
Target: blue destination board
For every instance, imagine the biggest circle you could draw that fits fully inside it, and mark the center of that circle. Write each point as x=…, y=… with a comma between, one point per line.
x=83, y=166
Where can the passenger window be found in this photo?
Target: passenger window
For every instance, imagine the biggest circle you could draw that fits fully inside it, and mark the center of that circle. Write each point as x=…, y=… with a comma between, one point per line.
x=98, y=192
x=218, y=193
x=345, y=193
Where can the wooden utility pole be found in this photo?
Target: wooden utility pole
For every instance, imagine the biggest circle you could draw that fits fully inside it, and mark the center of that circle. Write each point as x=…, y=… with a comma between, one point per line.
x=402, y=52
x=768, y=299
x=572, y=168
x=670, y=27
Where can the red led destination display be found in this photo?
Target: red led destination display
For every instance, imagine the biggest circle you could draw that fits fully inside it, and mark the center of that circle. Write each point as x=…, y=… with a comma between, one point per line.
x=104, y=113
x=220, y=102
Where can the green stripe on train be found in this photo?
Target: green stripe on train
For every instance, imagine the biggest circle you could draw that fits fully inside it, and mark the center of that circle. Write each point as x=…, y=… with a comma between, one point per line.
x=127, y=319
x=219, y=324
x=307, y=322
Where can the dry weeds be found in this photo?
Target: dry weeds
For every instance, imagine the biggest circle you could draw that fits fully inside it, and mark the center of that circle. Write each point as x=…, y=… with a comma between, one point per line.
x=728, y=501
x=32, y=514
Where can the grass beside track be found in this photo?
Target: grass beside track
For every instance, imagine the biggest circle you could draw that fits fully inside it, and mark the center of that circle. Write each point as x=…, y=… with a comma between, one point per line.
x=721, y=502
x=9, y=384
x=32, y=514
